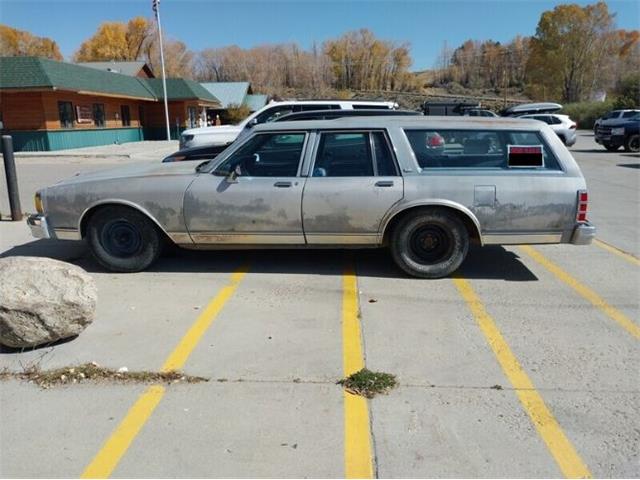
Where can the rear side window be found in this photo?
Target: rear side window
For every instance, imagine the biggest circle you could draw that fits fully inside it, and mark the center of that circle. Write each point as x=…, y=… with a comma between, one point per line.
x=385, y=165
x=473, y=149
x=629, y=114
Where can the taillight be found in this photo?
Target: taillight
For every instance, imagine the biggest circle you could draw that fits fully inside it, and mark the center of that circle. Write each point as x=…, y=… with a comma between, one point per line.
x=583, y=200
x=575, y=125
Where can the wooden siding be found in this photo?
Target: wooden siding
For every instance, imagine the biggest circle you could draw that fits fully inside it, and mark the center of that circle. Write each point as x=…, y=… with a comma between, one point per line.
x=22, y=111
x=177, y=112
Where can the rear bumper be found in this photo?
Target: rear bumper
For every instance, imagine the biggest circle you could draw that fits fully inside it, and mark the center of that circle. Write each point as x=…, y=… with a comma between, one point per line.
x=39, y=226
x=583, y=234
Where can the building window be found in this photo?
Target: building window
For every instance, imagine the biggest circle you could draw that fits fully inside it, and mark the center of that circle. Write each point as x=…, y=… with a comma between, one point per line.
x=98, y=114
x=140, y=116
x=125, y=114
x=65, y=112
x=192, y=117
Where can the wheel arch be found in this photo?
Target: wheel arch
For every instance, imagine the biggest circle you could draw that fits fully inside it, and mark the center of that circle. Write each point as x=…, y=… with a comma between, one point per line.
x=89, y=211
x=467, y=217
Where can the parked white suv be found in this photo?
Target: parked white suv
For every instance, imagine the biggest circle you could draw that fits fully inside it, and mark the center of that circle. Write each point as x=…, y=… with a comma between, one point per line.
x=225, y=134
x=564, y=127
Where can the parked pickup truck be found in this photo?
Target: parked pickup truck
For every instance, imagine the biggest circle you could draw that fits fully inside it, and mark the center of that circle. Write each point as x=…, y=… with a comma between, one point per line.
x=425, y=187
x=622, y=132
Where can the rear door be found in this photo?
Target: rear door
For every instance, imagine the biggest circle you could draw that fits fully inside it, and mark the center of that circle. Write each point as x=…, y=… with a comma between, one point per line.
x=354, y=181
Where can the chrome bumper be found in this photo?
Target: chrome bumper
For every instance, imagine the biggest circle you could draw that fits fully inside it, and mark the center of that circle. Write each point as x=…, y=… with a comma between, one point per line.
x=38, y=225
x=583, y=234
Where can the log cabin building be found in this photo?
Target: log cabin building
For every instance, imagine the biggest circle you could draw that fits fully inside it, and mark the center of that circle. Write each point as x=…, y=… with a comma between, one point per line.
x=50, y=105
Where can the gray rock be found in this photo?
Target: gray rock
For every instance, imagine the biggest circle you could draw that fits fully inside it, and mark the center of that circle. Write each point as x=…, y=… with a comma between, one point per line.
x=43, y=300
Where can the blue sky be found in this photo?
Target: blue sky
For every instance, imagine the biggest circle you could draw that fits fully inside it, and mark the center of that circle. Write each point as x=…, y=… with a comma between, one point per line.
x=425, y=24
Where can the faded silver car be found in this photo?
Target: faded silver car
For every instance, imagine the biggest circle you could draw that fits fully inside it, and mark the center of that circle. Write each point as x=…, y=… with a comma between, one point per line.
x=426, y=187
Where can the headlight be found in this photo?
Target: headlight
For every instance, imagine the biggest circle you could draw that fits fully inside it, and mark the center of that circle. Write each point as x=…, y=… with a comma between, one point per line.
x=38, y=202
x=617, y=131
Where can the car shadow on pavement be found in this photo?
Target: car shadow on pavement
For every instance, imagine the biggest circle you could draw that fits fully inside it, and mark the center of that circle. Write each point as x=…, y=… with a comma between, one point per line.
x=491, y=262
x=629, y=165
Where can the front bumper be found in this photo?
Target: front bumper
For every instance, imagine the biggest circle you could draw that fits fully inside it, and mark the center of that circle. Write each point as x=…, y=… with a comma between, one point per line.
x=611, y=140
x=583, y=234
x=39, y=226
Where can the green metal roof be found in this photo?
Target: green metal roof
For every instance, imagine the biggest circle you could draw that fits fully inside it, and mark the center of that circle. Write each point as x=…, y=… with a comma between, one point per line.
x=33, y=72
x=179, y=89
x=255, y=101
x=229, y=93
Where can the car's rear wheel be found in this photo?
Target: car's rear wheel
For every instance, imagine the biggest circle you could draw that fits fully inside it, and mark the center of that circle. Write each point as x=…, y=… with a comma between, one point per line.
x=429, y=243
x=123, y=239
x=632, y=144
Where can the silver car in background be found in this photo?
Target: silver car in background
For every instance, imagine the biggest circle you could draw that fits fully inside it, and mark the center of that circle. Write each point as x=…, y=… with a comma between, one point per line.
x=564, y=127
x=425, y=187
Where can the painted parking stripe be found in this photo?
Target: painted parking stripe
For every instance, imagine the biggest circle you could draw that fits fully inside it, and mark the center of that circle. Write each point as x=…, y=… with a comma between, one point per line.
x=616, y=251
x=358, y=458
x=584, y=291
x=565, y=455
x=116, y=446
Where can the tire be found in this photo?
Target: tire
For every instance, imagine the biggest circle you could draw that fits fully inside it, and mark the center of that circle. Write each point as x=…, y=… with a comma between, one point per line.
x=123, y=239
x=611, y=148
x=429, y=243
x=632, y=143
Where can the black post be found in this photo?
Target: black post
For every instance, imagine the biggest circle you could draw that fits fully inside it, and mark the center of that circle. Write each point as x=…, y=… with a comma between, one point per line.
x=12, y=178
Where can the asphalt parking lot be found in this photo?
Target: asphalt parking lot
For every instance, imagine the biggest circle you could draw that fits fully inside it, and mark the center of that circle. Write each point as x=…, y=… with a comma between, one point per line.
x=526, y=364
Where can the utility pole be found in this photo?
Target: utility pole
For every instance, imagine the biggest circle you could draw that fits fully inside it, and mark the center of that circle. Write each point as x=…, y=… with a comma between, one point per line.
x=156, y=10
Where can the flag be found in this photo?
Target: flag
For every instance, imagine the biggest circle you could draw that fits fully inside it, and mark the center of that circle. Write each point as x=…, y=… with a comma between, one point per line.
x=155, y=4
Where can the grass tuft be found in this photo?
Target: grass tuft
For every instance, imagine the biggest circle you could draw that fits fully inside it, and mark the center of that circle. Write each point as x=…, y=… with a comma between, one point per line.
x=368, y=384
x=94, y=373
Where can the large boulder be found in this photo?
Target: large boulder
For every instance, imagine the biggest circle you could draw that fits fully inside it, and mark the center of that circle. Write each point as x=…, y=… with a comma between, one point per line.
x=43, y=300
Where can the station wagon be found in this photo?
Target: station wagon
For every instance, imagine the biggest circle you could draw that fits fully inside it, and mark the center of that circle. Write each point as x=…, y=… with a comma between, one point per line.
x=425, y=187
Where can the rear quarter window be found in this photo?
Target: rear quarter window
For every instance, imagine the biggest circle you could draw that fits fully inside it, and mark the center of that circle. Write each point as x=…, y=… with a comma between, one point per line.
x=473, y=149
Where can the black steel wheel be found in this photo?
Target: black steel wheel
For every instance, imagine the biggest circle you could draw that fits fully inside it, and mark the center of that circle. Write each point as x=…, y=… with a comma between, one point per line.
x=429, y=243
x=123, y=239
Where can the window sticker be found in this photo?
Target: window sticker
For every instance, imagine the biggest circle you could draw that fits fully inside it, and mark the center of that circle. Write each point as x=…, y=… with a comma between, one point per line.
x=526, y=156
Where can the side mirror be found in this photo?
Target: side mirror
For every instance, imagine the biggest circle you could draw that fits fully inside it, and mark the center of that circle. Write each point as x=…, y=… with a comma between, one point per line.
x=232, y=177
x=253, y=122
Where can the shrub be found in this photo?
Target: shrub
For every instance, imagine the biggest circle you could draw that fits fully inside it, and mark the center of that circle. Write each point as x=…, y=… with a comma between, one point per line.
x=586, y=113
x=235, y=113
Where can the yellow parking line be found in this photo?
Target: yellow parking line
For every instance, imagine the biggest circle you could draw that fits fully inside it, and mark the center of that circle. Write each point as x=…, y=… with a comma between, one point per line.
x=616, y=251
x=115, y=447
x=357, y=432
x=585, y=292
x=548, y=428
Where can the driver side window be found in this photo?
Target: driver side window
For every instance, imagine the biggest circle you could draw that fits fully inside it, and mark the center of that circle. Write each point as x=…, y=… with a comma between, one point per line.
x=267, y=155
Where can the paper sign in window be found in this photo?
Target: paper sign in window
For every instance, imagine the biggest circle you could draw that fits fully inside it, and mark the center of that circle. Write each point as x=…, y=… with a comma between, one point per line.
x=527, y=156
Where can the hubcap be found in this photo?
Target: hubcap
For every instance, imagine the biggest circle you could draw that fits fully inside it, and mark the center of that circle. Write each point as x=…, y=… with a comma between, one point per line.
x=121, y=239
x=634, y=144
x=431, y=244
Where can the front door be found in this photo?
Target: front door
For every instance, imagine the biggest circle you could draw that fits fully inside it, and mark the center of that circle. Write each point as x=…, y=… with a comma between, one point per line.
x=253, y=197
x=354, y=182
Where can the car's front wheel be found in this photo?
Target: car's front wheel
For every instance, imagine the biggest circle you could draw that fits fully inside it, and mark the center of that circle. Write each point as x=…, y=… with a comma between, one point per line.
x=429, y=243
x=123, y=239
x=632, y=144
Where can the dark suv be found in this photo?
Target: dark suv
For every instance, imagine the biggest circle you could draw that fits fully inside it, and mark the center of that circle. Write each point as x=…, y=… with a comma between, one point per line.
x=623, y=132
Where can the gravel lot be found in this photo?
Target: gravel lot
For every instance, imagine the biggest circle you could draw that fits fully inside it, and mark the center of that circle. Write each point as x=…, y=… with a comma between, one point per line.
x=524, y=365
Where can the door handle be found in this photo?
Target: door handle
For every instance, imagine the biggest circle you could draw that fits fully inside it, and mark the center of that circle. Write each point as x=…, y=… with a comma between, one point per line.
x=282, y=184
x=384, y=183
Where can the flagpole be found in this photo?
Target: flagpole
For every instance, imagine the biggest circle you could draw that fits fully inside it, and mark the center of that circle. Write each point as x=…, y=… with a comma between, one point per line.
x=156, y=8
